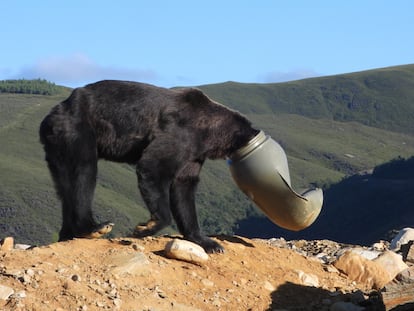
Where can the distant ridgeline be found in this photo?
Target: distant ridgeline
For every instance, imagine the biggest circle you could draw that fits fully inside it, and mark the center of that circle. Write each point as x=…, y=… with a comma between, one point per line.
x=23, y=86
x=398, y=168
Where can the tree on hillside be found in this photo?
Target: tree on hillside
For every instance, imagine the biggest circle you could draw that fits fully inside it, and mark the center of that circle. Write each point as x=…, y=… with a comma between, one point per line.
x=23, y=86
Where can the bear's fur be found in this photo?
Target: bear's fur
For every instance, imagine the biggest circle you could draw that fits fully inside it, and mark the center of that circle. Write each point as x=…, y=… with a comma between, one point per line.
x=167, y=134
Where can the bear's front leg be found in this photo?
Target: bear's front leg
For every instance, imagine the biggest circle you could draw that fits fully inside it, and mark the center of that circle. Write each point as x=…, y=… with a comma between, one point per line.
x=182, y=201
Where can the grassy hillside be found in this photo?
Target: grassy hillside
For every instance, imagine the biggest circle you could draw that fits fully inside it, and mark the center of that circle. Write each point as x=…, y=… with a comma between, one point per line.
x=325, y=138
x=381, y=98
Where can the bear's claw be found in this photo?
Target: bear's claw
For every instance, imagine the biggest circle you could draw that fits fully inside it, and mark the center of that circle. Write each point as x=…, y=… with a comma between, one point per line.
x=100, y=230
x=145, y=229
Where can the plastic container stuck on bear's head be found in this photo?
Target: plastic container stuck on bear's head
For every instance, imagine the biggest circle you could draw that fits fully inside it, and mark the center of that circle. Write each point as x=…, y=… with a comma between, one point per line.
x=260, y=169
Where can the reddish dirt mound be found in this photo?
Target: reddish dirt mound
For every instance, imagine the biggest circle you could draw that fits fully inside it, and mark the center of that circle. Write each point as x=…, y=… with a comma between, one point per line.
x=134, y=274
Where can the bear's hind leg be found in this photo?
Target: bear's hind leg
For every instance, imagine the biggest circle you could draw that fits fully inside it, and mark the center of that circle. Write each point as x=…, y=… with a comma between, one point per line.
x=73, y=166
x=84, y=181
x=154, y=188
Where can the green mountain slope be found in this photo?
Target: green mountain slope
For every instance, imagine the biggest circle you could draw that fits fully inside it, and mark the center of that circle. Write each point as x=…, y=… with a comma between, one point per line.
x=381, y=98
x=326, y=139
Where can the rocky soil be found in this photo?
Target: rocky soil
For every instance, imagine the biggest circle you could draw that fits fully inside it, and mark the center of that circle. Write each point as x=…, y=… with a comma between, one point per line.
x=135, y=274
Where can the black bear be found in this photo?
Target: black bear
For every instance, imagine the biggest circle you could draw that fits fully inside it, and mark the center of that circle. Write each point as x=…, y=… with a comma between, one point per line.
x=167, y=134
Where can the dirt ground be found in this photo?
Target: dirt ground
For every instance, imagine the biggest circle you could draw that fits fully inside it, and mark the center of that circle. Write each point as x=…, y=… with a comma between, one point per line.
x=134, y=274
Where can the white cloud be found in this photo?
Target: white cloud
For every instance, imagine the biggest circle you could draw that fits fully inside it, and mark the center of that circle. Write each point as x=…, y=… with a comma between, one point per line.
x=78, y=69
x=279, y=76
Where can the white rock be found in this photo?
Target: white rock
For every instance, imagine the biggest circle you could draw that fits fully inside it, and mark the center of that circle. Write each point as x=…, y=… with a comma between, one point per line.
x=22, y=246
x=185, y=250
x=331, y=268
x=308, y=279
x=129, y=263
x=403, y=237
x=30, y=272
x=379, y=246
x=20, y=294
x=392, y=263
x=5, y=292
x=365, y=253
x=117, y=302
x=207, y=282
x=267, y=285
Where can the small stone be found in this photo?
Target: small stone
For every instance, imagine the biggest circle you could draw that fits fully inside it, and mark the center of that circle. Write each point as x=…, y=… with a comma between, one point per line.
x=308, y=279
x=113, y=293
x=100, y=304
x=66, y=285
x=61, y=270
x=216, y=302
x=186, y=251
x=137, y=247
x=299, y=243
x=5, y=292
x=331, y=269
x=322, y=257
x=406, y=276
x=160, y=292
x=207, y=283
x=76, y=278
x=403, y=237
x=26, y=279
x=362, y=270
x=392, y=263
x=20, y=294
x=22, y=247
x=278, y=242
x=267, y=285
x=34, y=284
x=7, y=244
x=129, y=263
x=30, y=272
x=117, y=302
x=379, y=246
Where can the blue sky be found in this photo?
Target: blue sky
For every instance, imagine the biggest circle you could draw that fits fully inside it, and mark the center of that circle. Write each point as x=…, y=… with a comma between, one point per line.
x=183, y=43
